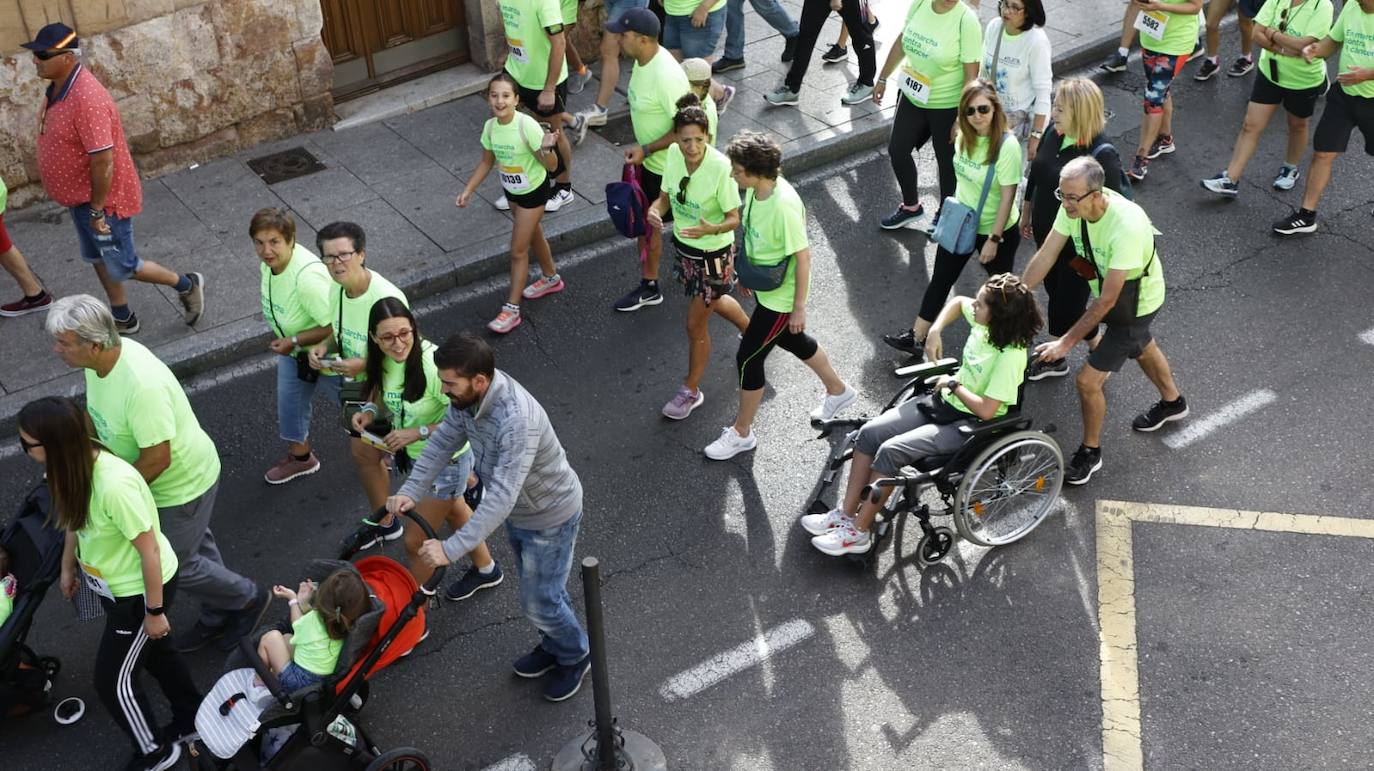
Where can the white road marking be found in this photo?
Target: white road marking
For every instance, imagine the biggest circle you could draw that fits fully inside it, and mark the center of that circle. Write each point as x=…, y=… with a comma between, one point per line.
x=722, y=666
x=1228, y=414
x=1367, y=336
x=517, y=762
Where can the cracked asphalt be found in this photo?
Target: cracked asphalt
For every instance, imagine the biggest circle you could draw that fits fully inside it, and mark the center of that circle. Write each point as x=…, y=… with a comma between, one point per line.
x=1252, y=645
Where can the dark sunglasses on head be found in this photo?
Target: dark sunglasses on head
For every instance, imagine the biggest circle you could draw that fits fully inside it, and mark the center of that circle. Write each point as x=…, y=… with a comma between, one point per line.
x=46, y=55
x=682, y=190
x=29, y=446
x=981, y=109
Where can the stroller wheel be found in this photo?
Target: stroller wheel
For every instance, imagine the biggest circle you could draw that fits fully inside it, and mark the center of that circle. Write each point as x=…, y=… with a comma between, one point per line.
x=69, y=710
x=400, y=759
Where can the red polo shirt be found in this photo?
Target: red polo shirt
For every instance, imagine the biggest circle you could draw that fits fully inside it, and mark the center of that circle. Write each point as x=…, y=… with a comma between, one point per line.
x=80, y=119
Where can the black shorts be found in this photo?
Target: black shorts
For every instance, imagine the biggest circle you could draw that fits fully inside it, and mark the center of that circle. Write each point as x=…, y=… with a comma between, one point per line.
x=1300, y=103
x=529, y=99
x=1121, y=342
x=1249, y=9
x=534, y=199
x=1343, y=114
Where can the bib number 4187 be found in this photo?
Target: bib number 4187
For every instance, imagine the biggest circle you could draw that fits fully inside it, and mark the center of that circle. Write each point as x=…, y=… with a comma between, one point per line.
x=915, y=85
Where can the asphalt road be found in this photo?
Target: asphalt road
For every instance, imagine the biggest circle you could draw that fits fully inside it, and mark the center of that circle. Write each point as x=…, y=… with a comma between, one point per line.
x=1251, y=644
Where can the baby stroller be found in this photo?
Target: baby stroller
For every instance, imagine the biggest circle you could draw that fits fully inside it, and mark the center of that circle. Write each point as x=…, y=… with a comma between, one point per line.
x=35, y=550
x=245, y=725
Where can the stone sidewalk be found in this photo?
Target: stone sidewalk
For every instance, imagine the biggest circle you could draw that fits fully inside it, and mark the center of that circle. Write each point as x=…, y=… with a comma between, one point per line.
x=398, y=179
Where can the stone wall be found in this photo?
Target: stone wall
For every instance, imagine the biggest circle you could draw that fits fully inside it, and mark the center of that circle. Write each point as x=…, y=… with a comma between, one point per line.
x=193, y=80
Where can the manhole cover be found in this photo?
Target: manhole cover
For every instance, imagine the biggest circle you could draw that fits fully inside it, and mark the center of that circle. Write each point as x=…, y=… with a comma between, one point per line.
x=287, y=164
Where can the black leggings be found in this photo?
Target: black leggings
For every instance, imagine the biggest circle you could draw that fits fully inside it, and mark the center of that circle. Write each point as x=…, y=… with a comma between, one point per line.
x=125, y=650
x=768, y=328
x=1068, y=292
x=949, y=266
x=911, y=129
x=813, y=16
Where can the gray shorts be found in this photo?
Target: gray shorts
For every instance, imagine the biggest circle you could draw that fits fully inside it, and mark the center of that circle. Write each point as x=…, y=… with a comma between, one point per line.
x=902, y=435
x=1122, y=342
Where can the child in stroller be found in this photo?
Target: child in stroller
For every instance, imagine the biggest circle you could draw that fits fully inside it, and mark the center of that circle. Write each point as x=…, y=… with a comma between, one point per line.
x=34, y=550
x=320, y=622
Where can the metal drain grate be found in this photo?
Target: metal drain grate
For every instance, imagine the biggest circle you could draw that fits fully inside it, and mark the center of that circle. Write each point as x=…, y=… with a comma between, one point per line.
x=287, y=164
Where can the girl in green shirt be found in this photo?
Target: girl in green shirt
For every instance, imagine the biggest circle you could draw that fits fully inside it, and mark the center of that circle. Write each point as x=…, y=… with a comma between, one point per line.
x=116, y=548
x=528, y=162
x=320, y=622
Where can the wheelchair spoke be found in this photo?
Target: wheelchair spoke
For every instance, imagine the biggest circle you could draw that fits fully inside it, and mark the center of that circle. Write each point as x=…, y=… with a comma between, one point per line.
x=1010, y=489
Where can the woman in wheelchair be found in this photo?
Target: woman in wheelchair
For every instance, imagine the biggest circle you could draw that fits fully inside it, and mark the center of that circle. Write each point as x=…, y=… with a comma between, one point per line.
x=1004, y=319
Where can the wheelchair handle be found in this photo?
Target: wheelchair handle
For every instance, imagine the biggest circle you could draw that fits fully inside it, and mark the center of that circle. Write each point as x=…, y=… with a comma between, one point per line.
x=827, y=427
x=432, y=583
x=928, y=368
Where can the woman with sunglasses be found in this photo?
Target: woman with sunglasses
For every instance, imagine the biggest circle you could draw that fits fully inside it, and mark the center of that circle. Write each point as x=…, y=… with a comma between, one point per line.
x=1016, y=40
x=1282, y=28
x=1078, y=119
x=983, y=141
x=115, y=546
x=704, y=201
x=408, y=395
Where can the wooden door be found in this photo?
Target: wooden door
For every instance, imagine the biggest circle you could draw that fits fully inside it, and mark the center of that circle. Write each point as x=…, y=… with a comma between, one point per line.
x=375, y=43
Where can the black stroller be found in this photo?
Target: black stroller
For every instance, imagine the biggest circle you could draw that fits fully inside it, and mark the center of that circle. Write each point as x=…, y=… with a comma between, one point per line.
x=35, y=550
x=243, y=725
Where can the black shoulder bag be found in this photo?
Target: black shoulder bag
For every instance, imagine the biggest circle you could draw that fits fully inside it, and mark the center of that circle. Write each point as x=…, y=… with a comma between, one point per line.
x=759, y=278
x=1123, y=312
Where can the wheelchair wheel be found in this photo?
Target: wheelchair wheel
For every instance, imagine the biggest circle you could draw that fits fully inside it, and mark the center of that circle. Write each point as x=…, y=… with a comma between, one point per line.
x=933, y=548
x=1009, y=488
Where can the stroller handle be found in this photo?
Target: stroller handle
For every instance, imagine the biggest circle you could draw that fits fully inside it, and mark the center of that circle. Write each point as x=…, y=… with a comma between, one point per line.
x=431, y=584
x=264, y=673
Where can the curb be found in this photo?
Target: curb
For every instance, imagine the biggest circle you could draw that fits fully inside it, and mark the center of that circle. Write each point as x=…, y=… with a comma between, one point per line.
x=237, y=340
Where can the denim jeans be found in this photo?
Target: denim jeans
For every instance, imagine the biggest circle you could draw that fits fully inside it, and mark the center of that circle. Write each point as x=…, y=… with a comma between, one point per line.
x=293, y=399
x=543, y=559
x=693, y=42
x=771, y=11
x=116, y=250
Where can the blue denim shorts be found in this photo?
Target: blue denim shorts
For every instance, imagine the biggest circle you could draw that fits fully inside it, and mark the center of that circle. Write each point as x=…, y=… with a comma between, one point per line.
x=616, y=8
x=693, y=42
x=295, y=677
x=452, y=482
x=116, y=251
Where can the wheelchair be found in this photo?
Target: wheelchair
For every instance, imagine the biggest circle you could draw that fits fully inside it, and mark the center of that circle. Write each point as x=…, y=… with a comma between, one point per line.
x=998, y=487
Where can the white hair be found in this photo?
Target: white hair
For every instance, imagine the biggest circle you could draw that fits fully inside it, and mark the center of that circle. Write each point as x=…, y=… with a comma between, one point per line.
x=1086, y=168
x=88, y=318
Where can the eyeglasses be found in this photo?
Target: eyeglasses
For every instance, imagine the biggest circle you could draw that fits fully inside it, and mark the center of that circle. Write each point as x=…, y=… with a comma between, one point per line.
x=396, y=337
x=29, y=446
x=981, y=109
x=1060, y=195
x=1009, y=7
x=340, y=257
x=43, y=56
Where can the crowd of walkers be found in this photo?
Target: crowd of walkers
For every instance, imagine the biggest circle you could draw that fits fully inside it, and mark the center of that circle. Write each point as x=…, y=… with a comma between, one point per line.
x=134, y=477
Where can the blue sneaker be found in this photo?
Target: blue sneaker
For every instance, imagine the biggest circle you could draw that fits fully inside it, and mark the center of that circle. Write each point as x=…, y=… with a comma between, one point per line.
x=534, y=663
x=566, y=681
x=473, y=582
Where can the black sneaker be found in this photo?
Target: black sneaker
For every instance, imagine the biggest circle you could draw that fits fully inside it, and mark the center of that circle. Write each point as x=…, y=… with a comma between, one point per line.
x=645, y=294
x=1160, y=412
x=1206, y=70
x=725, y=64
x=534, y=663
x=789, y=49
x=161, y=759
x=1240, y=66
x=1301, y=221
x=1041, y=369
x=1115, y=62
x=1084, y=463
x=128, y=326
x=385, y=533
x=566, y=681
x=905, y=342
x=196, y=637
x=473, y=581
x=835, y=54
x=903, y=218
x=243, y=622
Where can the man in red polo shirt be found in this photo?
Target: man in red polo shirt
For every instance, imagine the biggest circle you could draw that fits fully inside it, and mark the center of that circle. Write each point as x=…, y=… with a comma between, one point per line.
x=86, y=166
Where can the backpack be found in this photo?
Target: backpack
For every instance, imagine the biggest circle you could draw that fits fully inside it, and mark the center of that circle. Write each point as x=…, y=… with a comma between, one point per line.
x=628, y=207
x=1125, y=181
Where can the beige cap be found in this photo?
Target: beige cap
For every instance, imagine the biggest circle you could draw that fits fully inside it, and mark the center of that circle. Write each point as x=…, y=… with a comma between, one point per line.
x=697, y=69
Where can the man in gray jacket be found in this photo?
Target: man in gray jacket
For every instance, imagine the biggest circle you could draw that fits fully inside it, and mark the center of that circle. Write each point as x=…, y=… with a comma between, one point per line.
x=529, y=486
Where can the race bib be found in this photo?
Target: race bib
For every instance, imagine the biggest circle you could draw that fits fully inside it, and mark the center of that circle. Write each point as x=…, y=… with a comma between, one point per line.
x=517, y=51
x=915, y=85
x=96, y=583
x=1152, y=23
x=514, y=178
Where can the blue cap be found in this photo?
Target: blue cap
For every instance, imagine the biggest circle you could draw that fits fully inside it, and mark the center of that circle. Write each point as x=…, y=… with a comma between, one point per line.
x=54, y=36
x=641, y=20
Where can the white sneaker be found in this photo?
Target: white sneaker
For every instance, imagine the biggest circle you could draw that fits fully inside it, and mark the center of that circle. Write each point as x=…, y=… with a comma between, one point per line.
x=595, y=115
x=502, y=204
x=831, y=405
x=843, y=540
x=820, y=524
x=558, y=200
x=730, y=444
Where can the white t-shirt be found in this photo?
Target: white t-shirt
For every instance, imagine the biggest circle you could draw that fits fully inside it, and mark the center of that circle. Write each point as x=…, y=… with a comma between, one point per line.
x=1023, y=69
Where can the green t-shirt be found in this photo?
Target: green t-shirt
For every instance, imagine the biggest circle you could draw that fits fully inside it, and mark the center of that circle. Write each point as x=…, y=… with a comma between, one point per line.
x=1180, y=32
x=1312, y=18
x=687, y=7
x=1354, y=30
x=350, y=328
x=527, y=23
x=987, y=371
x=122, y=509
x=298, y=298
x=514, y=144
x=711, y=192
x=569, y=12
x=1123, y=239
x=5, y=194
x=971, y=168
x=431, y=406
x=139, y=404
x=312, y=648
x=712, y=118
x=653, y=93
x=937, y=47
x=774, y=229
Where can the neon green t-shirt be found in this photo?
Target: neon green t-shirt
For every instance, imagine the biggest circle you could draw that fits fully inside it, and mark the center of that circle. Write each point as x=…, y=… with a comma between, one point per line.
x=298, y=298
x=569, y=12
x=527, y=24
x=971, y=168
x=686, y=7
x=1311, y=18
x=139, y=404
x=122, y=509
x=711, y=192
x=1354, y=30
x=1123, y=239
x=653, y=93
x=1180, y=32
x=987, y=371
x=4, y=196
x=428, y=409
x=514, y=144
x=937, y=47
x=312, y=648
x=774, y=229
x=712, y=117
x=350, y=326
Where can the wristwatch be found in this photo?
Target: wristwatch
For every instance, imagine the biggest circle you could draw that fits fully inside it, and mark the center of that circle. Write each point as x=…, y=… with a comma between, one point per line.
x=1037, y=134
x=154, y=611
x=296, y=341
x=94, y=213
x=995, y=238
x=424, y=432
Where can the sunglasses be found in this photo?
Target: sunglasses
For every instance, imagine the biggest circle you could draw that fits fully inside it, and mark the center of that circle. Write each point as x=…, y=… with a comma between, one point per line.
x=981, y=109
x=29, y=446
x=43, y=56
x=682, y=190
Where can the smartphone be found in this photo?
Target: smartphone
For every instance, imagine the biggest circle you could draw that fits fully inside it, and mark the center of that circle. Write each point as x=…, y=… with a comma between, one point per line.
x=372, y=439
